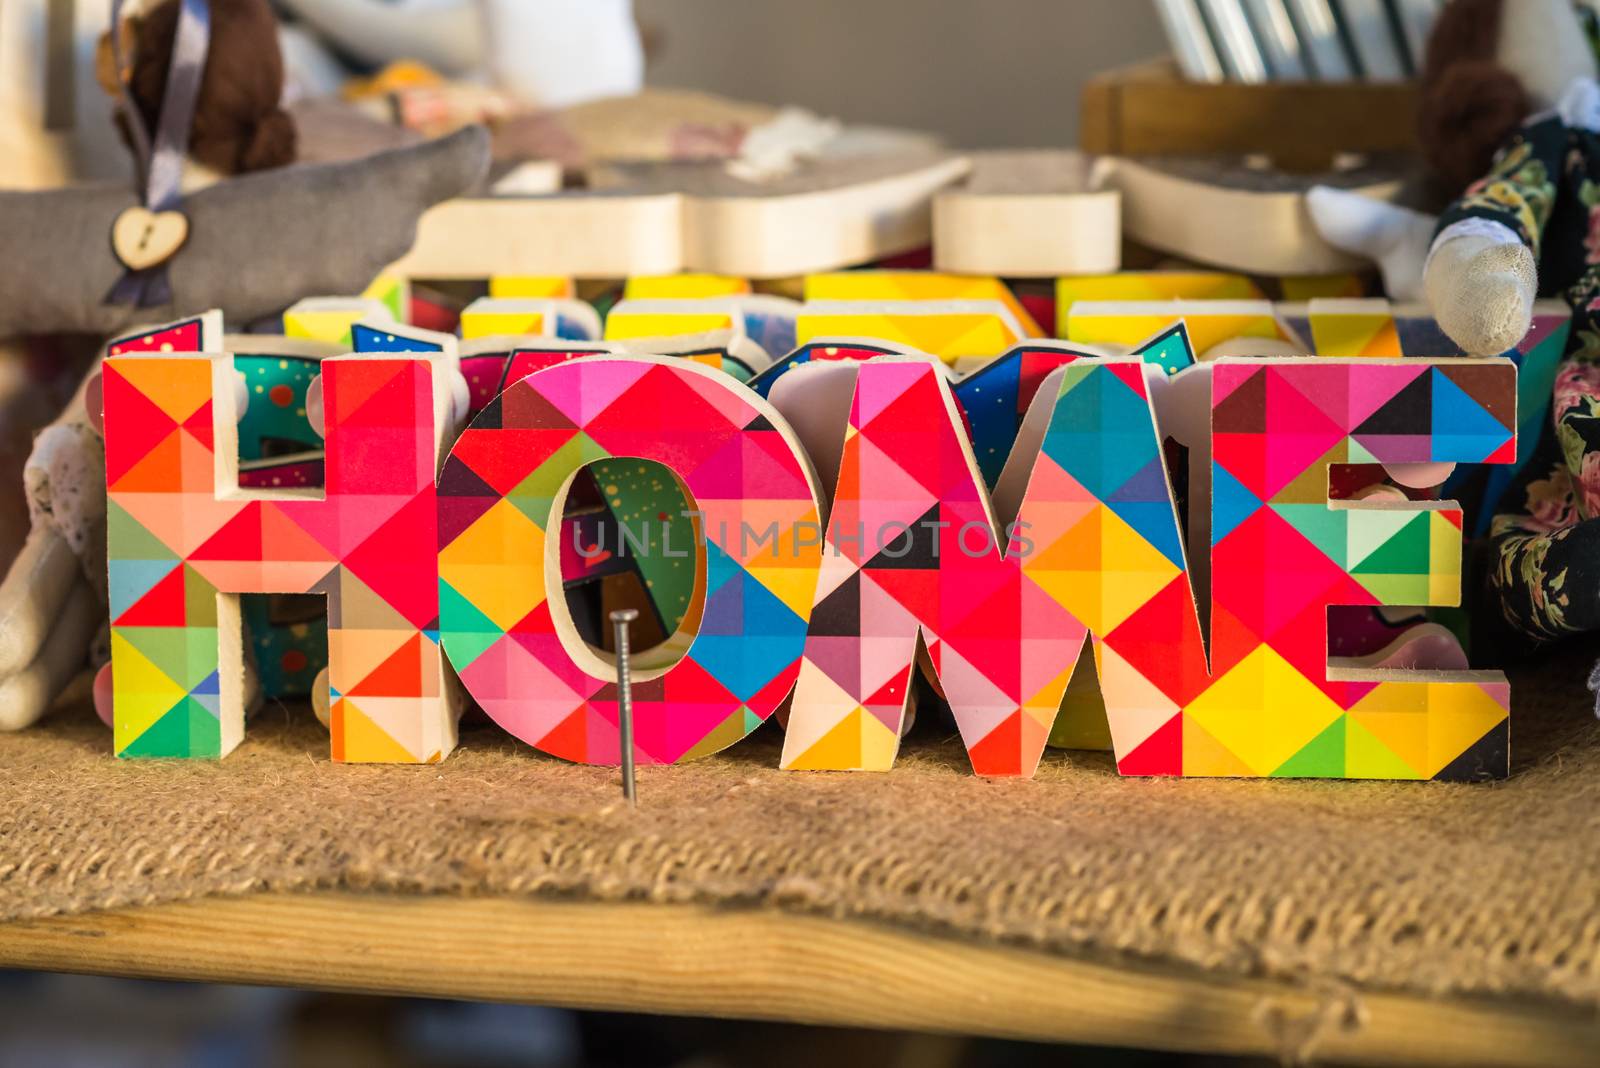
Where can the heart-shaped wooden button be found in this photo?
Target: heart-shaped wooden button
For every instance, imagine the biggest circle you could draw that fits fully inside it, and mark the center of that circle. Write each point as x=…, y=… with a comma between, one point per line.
x=143, y=238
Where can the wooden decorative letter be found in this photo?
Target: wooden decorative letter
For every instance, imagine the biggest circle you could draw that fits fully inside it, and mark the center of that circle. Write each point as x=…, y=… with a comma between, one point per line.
x=184, y=542
x=1096, y=548
x=500, y=498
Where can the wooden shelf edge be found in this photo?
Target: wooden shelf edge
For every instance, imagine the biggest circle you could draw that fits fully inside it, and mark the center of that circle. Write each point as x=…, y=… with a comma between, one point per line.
x=760, y=964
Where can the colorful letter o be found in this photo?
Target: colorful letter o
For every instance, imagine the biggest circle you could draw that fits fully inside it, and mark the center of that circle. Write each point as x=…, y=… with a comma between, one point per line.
x=499, y=520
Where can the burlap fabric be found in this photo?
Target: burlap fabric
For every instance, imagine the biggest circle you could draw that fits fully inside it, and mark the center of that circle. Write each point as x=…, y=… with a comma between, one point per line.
x=1421, y=887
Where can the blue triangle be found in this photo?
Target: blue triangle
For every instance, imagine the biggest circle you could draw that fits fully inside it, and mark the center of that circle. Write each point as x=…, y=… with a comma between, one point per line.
x=1100, y=431
x=369, y=339
x=1231, y=503
x=1149, y=483
x=988, y=397
x=1157, y=523
x=209, y=684
x=1463, y=431
x=132, y=579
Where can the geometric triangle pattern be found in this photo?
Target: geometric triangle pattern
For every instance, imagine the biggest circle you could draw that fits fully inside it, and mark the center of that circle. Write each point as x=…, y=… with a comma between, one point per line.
x=994, y=399
x=1378, y=328
x=912, y=550
x=1096, y=549
x=759, y=553
x=1281, y=556
x=369, y=546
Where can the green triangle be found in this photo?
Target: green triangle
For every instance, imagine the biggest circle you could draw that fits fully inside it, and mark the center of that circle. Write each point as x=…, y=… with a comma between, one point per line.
x=1369, y=758
x=186, y=655
x=1326, y=528
x=188, y=730
x=535, y=495
x=1405, y=553
x=1321, y=758
x=1359, y=453
x=464, y=630
x=127, y=538
x=199, y=599
x=1396, y=589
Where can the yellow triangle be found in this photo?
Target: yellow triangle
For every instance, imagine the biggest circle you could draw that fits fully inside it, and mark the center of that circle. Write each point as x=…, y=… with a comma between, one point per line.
x=794, y=586
x=1458, y=715
x=178, y=386
x=477, y=324
x=498, y=564
x=367, y=743
x=1347, y=336
x=142, y=692
x=837, y=750
x=858, y=742
x=330, y=326
x=1204, y=755
x=1263, y=710
x=1131, y=571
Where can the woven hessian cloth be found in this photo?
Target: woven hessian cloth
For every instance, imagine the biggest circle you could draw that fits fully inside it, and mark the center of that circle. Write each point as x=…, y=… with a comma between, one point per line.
x=1417, y=887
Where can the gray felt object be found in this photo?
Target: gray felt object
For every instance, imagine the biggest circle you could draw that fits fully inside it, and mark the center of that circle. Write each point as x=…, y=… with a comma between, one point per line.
x=257, y=243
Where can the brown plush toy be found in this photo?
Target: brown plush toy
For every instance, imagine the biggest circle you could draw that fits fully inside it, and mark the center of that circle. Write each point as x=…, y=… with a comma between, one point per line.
x=239, y=123
x=1471, y=102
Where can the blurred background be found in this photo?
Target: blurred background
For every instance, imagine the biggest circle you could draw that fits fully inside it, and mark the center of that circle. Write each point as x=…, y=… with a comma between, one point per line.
x=992, y=74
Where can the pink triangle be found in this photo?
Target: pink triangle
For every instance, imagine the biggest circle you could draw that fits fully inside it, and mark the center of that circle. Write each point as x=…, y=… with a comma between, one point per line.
x=882, y=384
x=603, y=381
x=1374, y=384
x=1299, y=433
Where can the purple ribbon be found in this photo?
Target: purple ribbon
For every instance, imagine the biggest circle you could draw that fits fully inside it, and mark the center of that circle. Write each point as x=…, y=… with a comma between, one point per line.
x=159, y=161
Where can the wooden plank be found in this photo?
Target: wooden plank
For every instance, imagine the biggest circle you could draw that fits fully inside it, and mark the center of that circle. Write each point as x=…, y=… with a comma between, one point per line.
x=1148, y=109
x=682, y=959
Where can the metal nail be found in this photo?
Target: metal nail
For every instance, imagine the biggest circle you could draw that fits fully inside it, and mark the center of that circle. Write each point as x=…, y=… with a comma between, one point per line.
x=619, y=624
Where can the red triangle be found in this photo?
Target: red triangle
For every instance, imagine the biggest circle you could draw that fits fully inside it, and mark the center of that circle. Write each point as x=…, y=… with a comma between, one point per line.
x=1159, y=754
x=1000, y=751
x=238, y=539
x=399, y=561
x=569, y=739
x=773, y=694
x=1245, y=458
x=915, y=432
x=200, y=426
x=1161, y=640
x=502, y=458
x=690, y=683
x=398, y=676
x=1131, y=374
x=159, y=471
x=288, y=541
x=161, y=606
x=916, y=591
x=1303, y=642
x=134, y=425
x=373, y=393
x=892, y=694
x=1266, y=572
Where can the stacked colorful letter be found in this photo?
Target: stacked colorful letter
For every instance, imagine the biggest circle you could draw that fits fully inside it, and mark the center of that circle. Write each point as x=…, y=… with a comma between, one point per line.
x=1096, y=549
